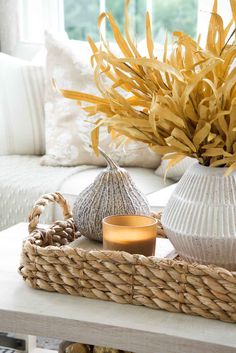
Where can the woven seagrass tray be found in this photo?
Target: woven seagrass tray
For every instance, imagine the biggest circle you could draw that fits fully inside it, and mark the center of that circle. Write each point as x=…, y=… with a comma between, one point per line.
x=48, y=262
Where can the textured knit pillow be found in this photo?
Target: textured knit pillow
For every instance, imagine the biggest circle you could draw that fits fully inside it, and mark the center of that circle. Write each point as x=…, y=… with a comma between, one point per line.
x=21, y=107
x=176, y=172
x=67, y=127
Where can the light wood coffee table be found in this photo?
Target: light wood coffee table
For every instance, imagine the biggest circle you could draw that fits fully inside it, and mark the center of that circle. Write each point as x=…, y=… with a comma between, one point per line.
x=137, y=329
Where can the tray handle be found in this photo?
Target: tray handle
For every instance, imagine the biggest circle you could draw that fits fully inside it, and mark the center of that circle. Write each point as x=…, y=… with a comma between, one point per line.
x=160, y=230
x=60, y=232
x=42, y=202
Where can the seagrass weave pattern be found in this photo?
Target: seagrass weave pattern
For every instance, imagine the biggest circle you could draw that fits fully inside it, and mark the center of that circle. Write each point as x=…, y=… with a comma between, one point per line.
x=61, y=232
x=171, y=285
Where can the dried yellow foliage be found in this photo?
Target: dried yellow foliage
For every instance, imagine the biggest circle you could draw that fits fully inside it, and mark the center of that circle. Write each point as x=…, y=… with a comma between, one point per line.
x=181, y=105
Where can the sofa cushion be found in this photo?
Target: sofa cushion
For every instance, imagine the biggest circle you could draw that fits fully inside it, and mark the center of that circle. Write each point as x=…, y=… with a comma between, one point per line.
x=21, y=107
x=67, y=127
x=23, y=181
x=144, y=178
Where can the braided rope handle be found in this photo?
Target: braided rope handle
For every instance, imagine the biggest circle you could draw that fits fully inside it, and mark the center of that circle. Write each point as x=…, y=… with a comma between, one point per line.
x=160, y=230
x=41, y=203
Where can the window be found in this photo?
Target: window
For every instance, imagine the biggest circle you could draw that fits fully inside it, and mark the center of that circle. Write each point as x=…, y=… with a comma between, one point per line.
x=79, y=17
x=168, y=15
x=36, y=16
x=174, y=15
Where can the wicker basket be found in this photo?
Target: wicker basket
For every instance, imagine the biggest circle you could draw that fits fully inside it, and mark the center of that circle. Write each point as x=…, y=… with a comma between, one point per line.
x=48, y=263
x=73, y=347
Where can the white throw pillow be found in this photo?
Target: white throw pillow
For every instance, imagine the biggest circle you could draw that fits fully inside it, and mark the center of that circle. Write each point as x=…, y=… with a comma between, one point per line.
x=176, y=172
x=21, y=107
x=67, y=127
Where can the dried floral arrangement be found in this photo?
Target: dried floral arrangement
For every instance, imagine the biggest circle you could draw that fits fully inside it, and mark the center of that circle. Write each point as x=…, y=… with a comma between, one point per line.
x=181, y=105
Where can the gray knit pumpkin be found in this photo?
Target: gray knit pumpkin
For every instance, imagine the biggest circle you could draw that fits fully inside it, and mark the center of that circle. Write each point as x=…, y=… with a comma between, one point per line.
x=113, y=192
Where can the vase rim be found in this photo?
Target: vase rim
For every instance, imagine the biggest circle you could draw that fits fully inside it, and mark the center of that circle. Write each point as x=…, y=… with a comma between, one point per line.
x=209, y=167
x=203, y=170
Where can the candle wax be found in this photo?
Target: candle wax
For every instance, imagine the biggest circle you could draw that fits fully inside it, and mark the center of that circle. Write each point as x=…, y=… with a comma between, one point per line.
x=145, y=247
x=135, y=234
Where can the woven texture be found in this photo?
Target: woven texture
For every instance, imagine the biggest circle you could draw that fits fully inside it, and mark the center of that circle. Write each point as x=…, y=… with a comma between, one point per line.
x=74, y=347
x=171, y=285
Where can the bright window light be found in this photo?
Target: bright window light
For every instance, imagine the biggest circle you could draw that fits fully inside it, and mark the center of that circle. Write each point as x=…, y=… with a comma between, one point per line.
x=167, y=16
x=79, y=17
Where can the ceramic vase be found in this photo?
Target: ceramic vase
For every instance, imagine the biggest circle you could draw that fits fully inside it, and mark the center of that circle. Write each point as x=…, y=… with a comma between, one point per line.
x=200, y=217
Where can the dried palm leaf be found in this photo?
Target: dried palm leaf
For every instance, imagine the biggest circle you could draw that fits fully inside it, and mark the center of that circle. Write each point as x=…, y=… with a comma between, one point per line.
x=184, y=105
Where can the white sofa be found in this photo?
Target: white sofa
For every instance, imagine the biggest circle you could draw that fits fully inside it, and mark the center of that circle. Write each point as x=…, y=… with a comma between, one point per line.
x=23, y=179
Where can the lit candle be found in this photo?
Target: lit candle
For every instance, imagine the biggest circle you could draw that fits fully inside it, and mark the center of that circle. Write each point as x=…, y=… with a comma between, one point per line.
x=131, y=233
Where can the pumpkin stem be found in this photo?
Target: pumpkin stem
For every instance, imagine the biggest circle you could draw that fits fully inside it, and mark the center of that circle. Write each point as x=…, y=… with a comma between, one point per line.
x=112, y=164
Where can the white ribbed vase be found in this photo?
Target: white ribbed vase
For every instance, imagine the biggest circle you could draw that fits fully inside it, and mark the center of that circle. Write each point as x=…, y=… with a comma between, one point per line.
x=200, y=217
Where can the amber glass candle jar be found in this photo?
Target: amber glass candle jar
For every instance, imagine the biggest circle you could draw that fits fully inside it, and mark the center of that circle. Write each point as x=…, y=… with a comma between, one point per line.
x=131, y=233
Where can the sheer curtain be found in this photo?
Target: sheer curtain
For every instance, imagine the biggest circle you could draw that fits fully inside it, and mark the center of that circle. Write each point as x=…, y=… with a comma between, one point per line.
x=9, y=33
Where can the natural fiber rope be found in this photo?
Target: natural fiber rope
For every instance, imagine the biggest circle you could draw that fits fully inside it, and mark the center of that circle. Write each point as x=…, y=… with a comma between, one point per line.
x=44, y=201
x=172, y=285
x=61, y=232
